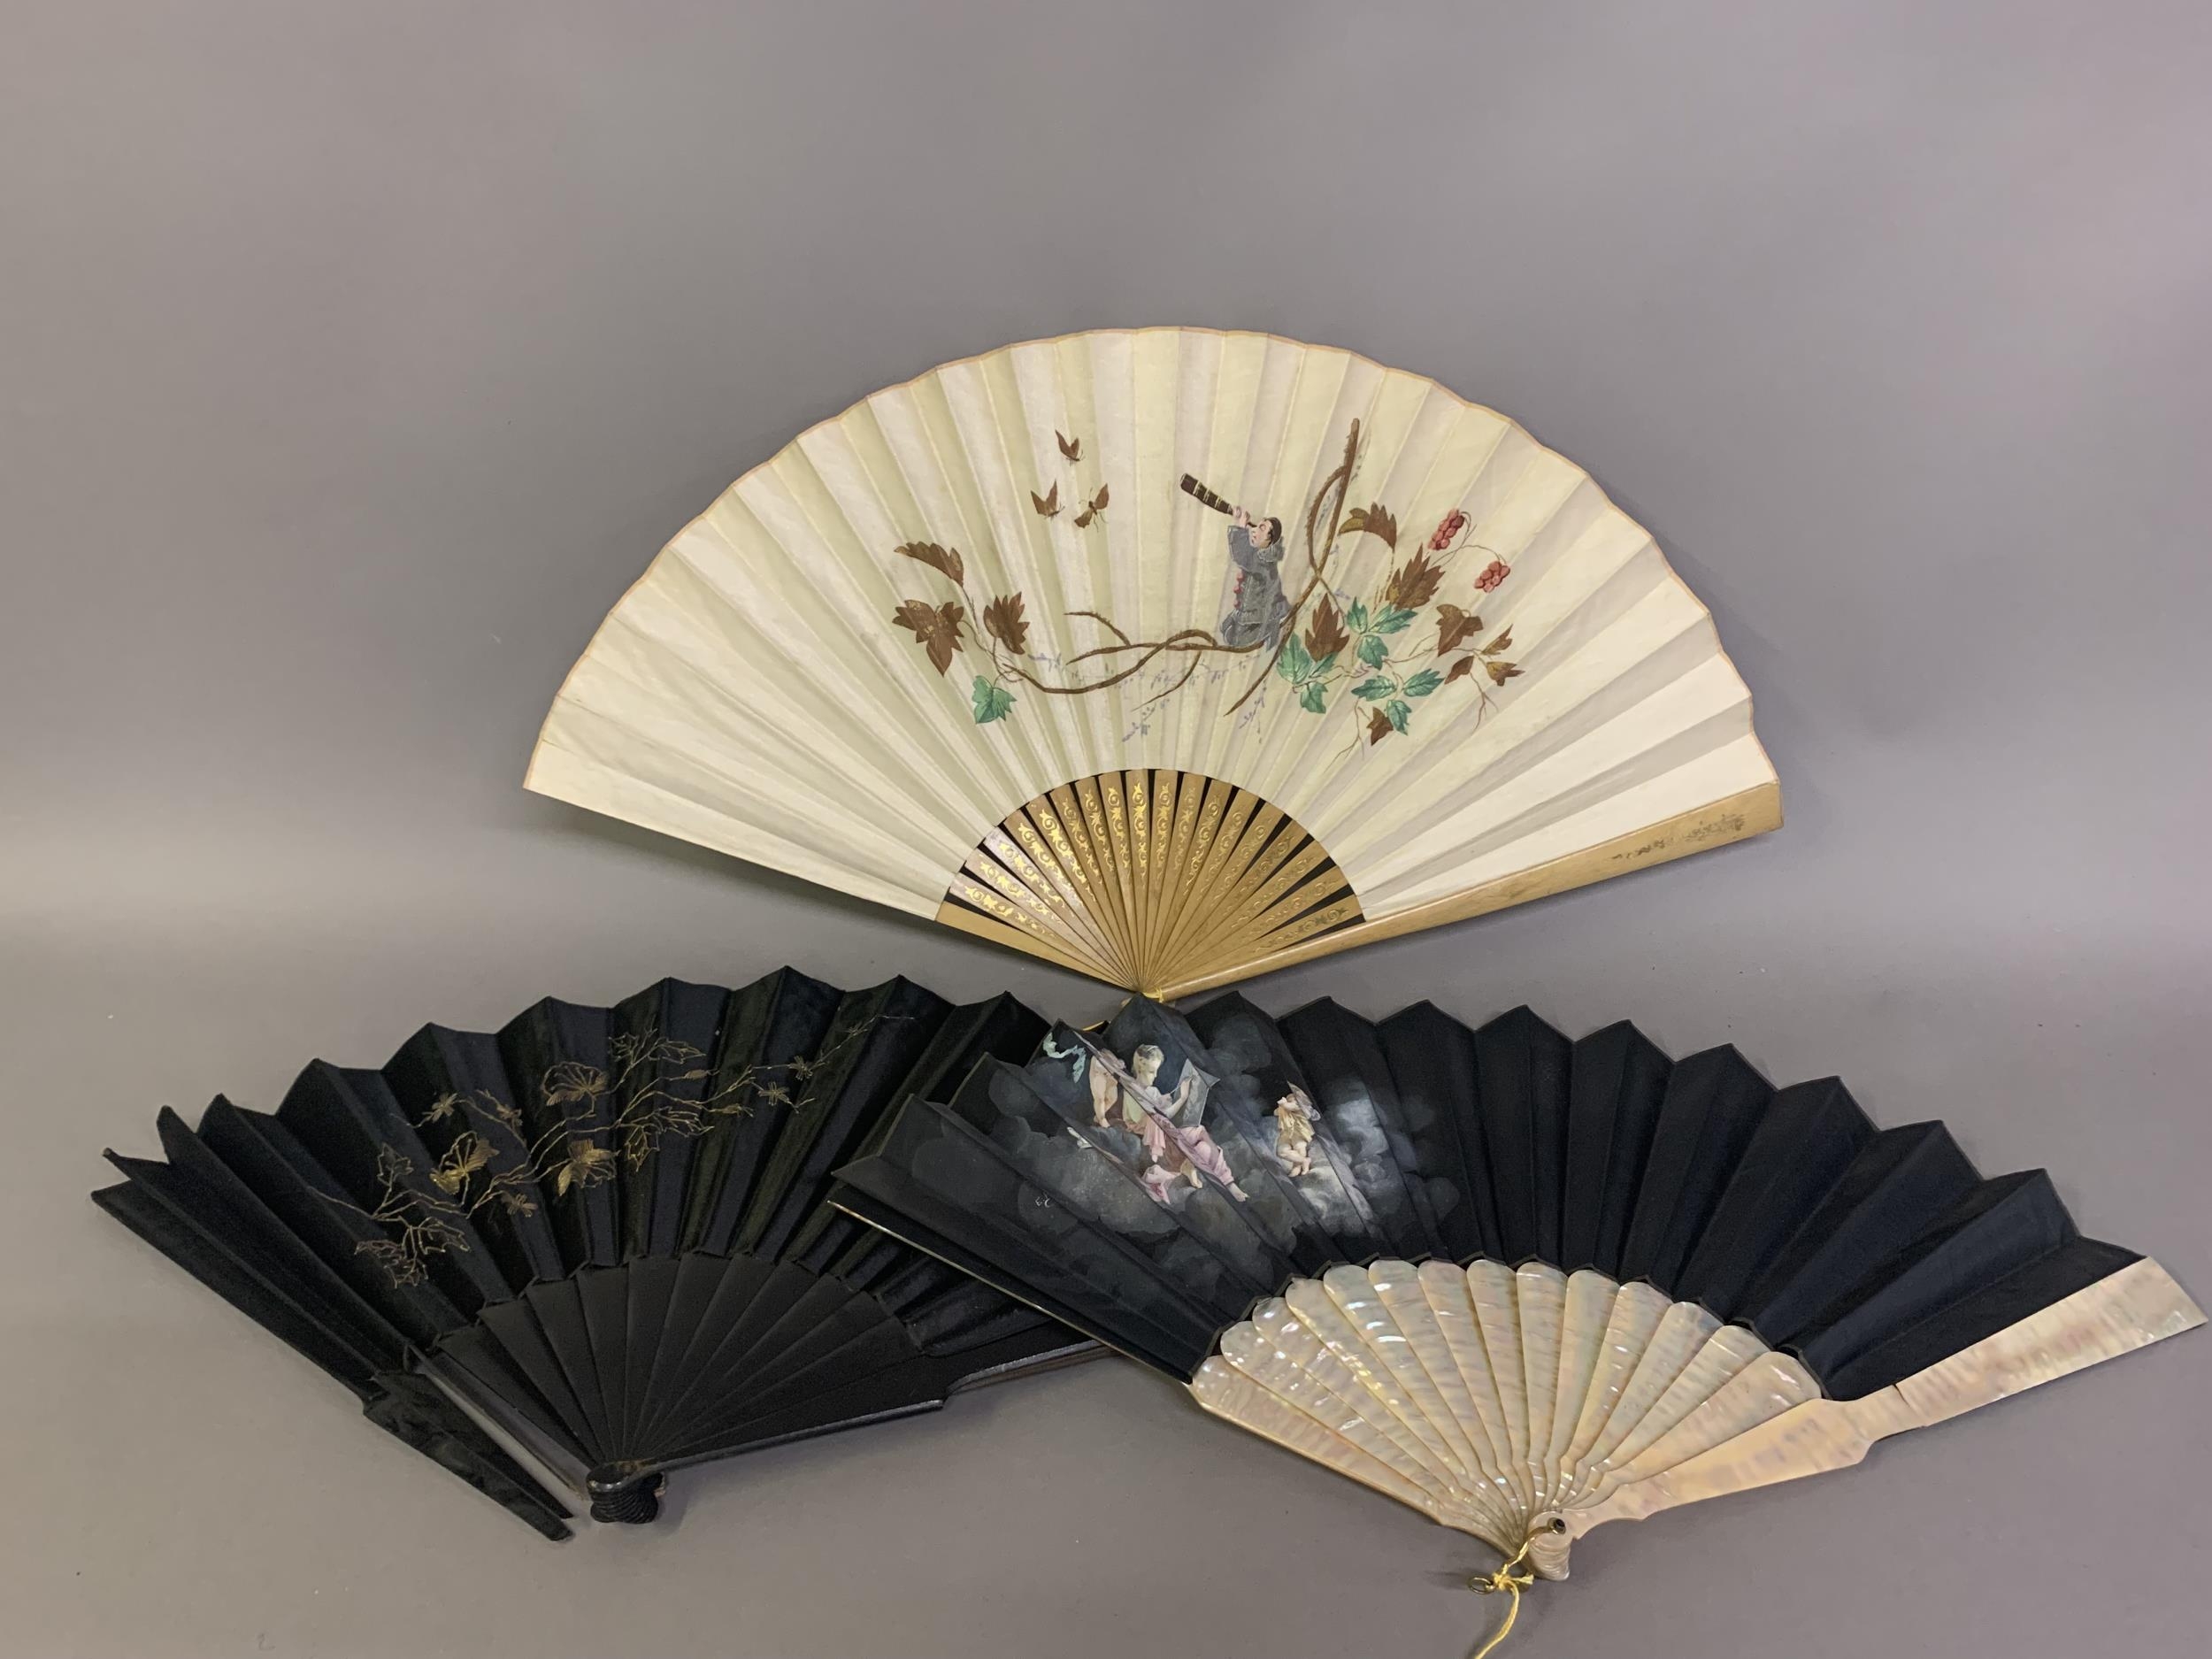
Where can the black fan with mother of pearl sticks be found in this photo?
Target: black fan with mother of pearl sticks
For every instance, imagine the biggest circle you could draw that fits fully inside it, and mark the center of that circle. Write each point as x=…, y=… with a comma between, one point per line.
x=603, y=1229
x=1523, y=1284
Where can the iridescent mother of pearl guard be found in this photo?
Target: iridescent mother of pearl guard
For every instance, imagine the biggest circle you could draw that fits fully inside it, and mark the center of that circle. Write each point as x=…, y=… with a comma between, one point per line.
x=1526, y=1407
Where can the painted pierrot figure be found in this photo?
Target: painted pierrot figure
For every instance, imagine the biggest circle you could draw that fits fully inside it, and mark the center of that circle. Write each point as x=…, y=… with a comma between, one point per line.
x=1259, y=607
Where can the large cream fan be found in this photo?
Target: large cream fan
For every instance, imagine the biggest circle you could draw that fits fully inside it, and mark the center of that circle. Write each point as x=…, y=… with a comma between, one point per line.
x=1169, y=656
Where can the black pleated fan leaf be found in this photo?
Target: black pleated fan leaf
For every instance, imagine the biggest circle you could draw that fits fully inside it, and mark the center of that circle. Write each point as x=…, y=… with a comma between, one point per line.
x=603, y=1229
x=1149, y=1183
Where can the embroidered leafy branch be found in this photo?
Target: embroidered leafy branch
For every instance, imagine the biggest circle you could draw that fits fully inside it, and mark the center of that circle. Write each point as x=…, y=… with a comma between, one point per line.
x=660, y=1089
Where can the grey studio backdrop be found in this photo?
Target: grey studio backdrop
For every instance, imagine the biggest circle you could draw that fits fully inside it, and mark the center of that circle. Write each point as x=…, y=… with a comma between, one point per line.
x=354, y=358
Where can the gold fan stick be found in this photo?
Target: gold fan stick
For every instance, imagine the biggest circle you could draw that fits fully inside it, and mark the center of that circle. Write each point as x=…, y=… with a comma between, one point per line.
x=1040, y=832
x=1262, y=923
x=1091, y=797
x=1084, y=824
x=1109, y=786
x=1219, y=825
x=996, y=893
x=1195, y=821
x=1245, y=829
x=1137, y=789
x=1024, y=851
x=1043, y=821
x=975, y=908
x=1189, y=790
x=1087, y=883
x=1505, y=1581
x=1295, y=917
x=1044, y=900
x=1288, y=894
x=1339, y=912
x=1269, y=841
x=1170, y=821
x=1746, y=813
x=1203, y=934
x=1159, y=887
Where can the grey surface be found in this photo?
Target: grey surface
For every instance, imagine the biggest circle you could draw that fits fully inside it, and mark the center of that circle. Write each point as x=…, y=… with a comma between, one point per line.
x=354, y=358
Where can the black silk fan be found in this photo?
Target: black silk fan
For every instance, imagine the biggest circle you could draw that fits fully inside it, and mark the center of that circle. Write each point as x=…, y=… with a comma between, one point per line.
x=603, y=1229
x=1640, y=1282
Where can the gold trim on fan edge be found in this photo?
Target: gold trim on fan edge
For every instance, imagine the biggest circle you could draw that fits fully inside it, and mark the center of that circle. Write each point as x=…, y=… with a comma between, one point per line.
x=1203, y=949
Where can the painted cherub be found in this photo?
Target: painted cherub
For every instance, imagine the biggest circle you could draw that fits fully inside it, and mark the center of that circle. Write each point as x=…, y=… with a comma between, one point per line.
x=1294, y=1132
x=1174, y=1148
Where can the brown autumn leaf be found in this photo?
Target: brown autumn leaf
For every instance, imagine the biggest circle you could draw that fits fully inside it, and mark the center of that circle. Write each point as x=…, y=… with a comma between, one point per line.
x=936, y=628
x=1499, y=672
x=1326, y=635
x=1003, y=619
x=946, y=559
x=1461, y=668
x=1047, y=503
x=1072, y=447
x=1453, y=625
x=1379, y=725
x=1374, y=520
x=1504, y=642
x=1414, y=583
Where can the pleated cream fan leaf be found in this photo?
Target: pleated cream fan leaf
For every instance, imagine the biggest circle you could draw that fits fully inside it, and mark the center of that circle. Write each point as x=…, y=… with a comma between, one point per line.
x=1170, y=656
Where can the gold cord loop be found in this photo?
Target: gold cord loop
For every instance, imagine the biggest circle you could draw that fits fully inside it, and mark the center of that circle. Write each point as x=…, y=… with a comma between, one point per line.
x=1505, y=1581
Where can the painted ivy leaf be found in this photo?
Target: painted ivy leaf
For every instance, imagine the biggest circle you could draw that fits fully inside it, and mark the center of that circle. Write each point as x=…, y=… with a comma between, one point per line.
x=1379, y=725
x=1392, y=619
x=991, y=703
x=1325, y=664
x=1374, y=688
x=1373, y=649
x=1414, y=583
x=1315, y=698
x=1003, y=619
x=1292, y=663
x=1397, y=713
x=1423, y=683
x=1453, y=625
x=936, y=628
x=1325, y=634
x=1355, y=619
x=1499, y=672
x=944, y=559
x=1504, y=642
x=1375, y=519
x=1461, y=668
